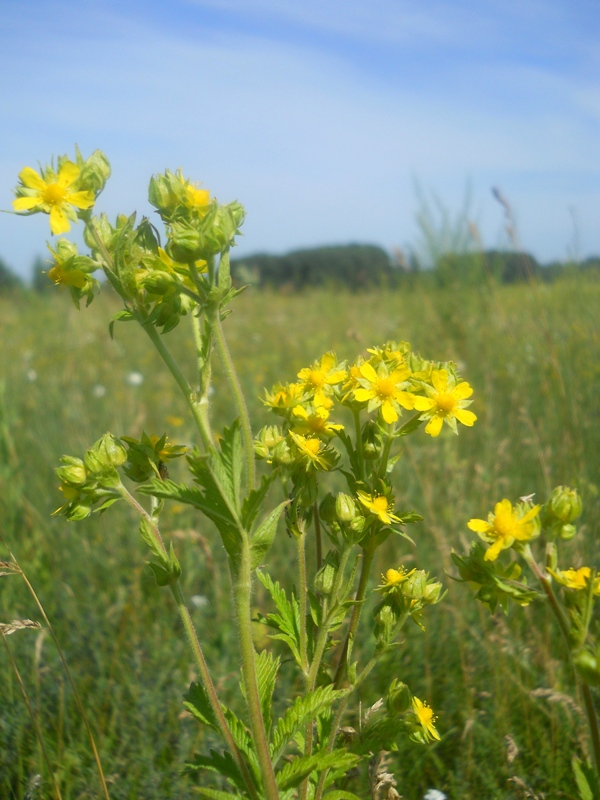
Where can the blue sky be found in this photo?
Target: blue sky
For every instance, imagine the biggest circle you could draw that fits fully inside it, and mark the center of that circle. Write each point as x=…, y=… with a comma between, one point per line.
x=319, y=115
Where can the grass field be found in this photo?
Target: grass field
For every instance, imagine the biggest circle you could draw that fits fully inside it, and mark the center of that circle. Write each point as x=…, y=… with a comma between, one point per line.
x=532, y=354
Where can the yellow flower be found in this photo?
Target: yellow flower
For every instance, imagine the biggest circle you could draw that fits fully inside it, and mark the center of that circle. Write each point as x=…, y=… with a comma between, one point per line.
x=394, y=577
x=505, y=526
x=175, y=266
x=315, y=423
x=284, y=398
x=426, y=719
x=445, y=402
x=576, y=578
x=52, y=194
x=195, y=198
x=384, y=389
x=380, y=506
x=312, y=450
x=319, y=379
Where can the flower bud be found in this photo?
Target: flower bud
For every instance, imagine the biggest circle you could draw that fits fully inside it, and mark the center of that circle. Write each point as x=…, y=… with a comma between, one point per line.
x=565, y=504
x=587, y=666
x=371, y=441
x=565, y=532
x=73, y=472
x=106, y=452
x=94, y=173
x=415, y=586
x=345, y=508
x=325, y=577
x=328, y=509
x=282, y=454
x=398, y=697
x=433, y=591
x=159, y=282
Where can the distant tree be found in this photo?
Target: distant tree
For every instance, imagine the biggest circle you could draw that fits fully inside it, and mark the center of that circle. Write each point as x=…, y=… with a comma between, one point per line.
x=473, y=268
x=9, y=282
x=356, y=266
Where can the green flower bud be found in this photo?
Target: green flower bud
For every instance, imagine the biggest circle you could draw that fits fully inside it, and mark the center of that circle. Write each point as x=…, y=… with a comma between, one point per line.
x=94, y=172
x=73, y=472
x=345, y=508
x=159, y=282
x=415, y=586
x=358, y=524
x=398, y=697
x=106, y=452
x=587, y=666
x=565, y=503
x=564, y=532
x=282, y=454
x=433, y=591
x=271, y=436
x=325, y=577
x=260, y=449
x=160, y=192
x=371, y=441
x=328, y=509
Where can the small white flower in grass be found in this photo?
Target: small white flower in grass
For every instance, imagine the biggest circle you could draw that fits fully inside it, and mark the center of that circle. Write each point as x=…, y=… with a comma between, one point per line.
x=434, y=794
x=31, y=375
x=98, y=390
x=134, y=378
x=199, y=600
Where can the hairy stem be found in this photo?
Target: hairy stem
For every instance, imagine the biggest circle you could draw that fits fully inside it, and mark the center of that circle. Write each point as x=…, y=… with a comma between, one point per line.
x=302, y=587
x=238, y=395
x=241, y=575
x=363, y=582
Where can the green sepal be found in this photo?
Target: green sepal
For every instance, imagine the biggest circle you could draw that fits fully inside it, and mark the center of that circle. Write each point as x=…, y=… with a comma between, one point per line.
x=162, y=575
x=262, y=538
x=120, y=316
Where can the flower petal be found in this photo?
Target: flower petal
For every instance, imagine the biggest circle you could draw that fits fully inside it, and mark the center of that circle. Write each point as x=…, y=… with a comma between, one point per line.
x=423, y=403
x=467, y=418
x=462, y=391
x=434, y=426
x=367, y=371
x=439, y=379
x=32, y=179
x=68, y=173
x=58, y=221
x=388, y=412
x=81, y=199
x=479, y=525
x=26, y=203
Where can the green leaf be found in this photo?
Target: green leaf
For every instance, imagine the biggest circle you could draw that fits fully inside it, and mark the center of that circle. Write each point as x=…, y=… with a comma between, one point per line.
x=294, y=772
x=197, y=703
x=227, y=464
x=120, y=316
x=217, y=794
x=262, y=538
x=161, y=574
x=586, y=780
x=304, y=709
x=287, y=622
x=221, y=763
x=340, y=794
x=253, y=502
x=267, y=667
x=149, y=537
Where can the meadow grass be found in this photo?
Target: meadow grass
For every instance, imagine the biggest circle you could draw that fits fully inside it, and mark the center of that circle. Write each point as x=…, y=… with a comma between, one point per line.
x=532, y=354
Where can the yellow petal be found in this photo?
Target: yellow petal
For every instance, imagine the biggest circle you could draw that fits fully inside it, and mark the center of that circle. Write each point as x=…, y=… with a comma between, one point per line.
x=434, y=426
x=32, y=179
x=423, y=403
x=58, y=221
x=362, y=395
x=492, y=553
x=439, y=379
x=81, y=199
x=68, y=173
x=406, y=399
x=388, y=412
x=479, y=525
x=26, y=203
x=467, y=418
x=367, y=371
x=462, y=391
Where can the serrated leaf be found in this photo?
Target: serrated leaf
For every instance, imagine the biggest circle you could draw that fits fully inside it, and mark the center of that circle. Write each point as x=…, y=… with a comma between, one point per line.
x=149, y=537
x=227, y=463
x=197, y=703
x=262, y=539
x=287, y=621
x=267, y=667
x=294, y=772
x=253, y=502
x=304, y=709
x=221, y=763
x=217, y=794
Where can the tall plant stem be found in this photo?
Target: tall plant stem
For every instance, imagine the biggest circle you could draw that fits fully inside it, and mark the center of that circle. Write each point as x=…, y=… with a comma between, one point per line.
x=363, y=582
x=188, y=625
x=563, y=624
x=234, y=383
x=318, y=537
x=359, y=445
x=34, y=722
x=241, y=574
x=302, y=588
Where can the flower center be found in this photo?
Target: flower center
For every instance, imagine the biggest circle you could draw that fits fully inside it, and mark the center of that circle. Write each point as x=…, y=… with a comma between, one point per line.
x=385, y=388
x=380, y=504
x=316, y=378
x=54, y=194
x=445, y=402
x=505, y=525
x=425, y=715
x=312, y=446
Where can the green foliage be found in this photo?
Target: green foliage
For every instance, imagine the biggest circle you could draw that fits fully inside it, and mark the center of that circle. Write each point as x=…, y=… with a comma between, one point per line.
x=9, y=282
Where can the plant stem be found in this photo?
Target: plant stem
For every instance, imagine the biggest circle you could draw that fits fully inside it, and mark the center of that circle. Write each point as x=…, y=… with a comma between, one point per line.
x=241, y=575
x=318, y=537
x=363, y=582
x=359, y=445
x=234, y=383
x=301, y=548
x=210, y=687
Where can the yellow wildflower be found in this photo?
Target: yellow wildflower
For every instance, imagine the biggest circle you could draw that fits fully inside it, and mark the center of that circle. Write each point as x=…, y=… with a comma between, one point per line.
x=576, y=578
x=314, y=422
x=426, y=718
x=379, y=505
x=320, y=378
x=384, y=389
x=284, y=398
x=52, y=194
x=445, y=402
x=505, y=526
x=394, y=577
x=312, y=450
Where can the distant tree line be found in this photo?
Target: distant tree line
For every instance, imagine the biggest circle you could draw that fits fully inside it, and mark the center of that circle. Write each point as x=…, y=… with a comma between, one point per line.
x=361, y=266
